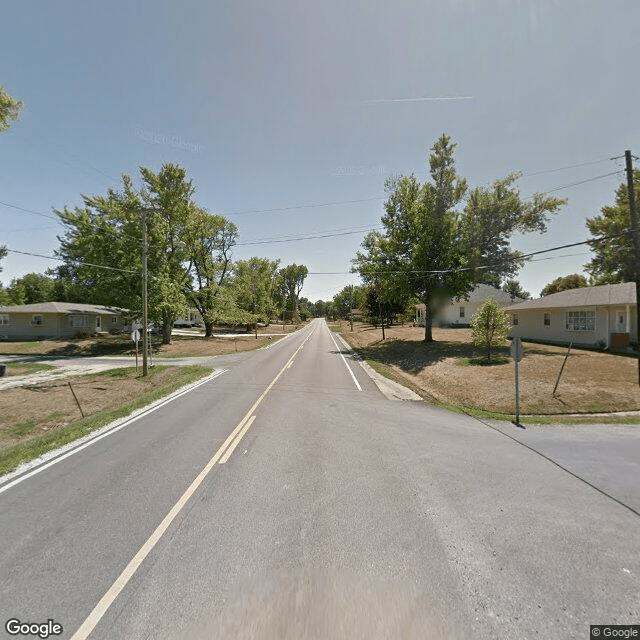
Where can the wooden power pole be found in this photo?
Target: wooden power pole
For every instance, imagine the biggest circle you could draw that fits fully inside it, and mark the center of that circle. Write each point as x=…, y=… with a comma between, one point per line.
x=145, y=336
x=636, y=245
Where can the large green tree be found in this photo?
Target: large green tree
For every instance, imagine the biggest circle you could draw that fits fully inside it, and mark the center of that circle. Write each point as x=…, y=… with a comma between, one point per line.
x=349, y=298
x=292, y=279
x=612, y=248
x=209, y=239
x=255, y=282
x=433, y=248
x=32, y=288
x=572, y=281
x=9, y=108
x=102, y=244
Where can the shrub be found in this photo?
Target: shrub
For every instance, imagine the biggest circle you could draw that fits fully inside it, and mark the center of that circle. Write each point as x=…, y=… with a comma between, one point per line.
x=489, y=326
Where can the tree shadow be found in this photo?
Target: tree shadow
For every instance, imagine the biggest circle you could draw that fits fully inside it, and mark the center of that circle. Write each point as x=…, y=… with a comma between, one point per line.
x=414, y=356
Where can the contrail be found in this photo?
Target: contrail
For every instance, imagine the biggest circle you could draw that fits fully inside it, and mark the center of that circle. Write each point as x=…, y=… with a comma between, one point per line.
x=419, y=99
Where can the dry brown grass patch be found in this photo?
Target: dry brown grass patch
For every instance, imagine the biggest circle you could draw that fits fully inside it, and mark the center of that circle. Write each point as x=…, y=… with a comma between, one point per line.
x=591, y=382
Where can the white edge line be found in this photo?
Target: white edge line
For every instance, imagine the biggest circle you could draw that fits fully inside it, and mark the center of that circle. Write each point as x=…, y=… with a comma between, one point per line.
x=73, y=447
x=343, y=360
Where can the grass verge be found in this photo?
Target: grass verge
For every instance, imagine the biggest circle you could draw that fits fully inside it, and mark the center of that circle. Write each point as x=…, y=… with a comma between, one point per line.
x=14, y=455
x=27, y=368
x=389, y=373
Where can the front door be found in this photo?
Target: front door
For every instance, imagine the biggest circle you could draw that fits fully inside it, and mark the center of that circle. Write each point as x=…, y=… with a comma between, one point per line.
x=621, y=321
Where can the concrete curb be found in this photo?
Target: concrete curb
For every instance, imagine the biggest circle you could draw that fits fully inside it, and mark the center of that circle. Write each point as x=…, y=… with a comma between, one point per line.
x=390, y=389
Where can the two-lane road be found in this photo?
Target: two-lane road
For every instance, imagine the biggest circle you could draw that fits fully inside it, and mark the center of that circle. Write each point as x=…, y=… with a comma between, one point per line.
x=288, y=498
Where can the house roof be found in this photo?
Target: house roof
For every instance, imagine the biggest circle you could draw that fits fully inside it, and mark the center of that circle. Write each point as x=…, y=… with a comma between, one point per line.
x=480, y=293
x=607, y=294
x=62, y=307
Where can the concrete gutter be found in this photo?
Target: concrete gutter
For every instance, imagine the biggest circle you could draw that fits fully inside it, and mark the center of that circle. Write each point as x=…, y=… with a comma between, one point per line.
x=390, y=389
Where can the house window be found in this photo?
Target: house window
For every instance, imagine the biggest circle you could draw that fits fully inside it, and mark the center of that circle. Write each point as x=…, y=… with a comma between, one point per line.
x=78, y=321
x=514, y=319
x=462, y=312
x=547, y=319
x=4, y=319
x=98, y=322
x=114, y=319
x=36, y=319
x=581, y=320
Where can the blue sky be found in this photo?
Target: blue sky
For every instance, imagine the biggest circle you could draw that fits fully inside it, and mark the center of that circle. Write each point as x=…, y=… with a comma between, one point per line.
x=273, y=105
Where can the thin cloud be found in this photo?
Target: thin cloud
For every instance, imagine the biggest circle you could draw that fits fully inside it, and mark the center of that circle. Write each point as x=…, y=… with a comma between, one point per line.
x=443, y=99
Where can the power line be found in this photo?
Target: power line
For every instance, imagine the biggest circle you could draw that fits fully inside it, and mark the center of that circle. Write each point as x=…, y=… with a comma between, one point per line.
x=86, y=264
x=308, y=237
x=574, y=184
x=302, y=206
x=570, y=166
x=35, y=213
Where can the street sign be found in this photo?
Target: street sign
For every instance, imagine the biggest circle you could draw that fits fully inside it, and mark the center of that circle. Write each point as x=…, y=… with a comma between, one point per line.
x=516, y=349
x=135, y=335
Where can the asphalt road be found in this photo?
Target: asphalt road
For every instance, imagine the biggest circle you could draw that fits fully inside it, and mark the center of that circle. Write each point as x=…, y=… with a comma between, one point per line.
x=338, y=514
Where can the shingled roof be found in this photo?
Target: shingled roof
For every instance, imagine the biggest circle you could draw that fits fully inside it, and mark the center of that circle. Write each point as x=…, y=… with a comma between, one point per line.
x=608, y=294
x=62, y=307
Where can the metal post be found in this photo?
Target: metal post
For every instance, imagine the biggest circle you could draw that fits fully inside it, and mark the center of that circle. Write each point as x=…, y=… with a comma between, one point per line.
x=517, y=391
x=636, y=244
x=562, y=368
x=144, y=294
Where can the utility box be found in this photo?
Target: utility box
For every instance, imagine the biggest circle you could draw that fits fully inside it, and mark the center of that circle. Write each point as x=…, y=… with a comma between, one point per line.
x=620, y=340
x=3, y=370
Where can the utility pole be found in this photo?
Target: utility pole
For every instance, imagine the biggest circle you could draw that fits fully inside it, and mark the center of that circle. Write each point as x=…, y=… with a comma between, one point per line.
x=351, y=309
x=636, y=244
x=145, y=337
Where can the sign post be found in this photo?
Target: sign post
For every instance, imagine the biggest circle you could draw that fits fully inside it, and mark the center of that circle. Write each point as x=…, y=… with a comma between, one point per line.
x=516, y=353
x=135, y=336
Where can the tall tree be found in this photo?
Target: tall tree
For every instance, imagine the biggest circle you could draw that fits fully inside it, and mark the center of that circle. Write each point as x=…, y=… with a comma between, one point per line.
x=515, y=290
x=102, y=244
x=613, y=260
x=32, y=288
x=254, y=283
x=9, y=109
x=292, y=279
x=433, y=250
x=572, y=281
x=210, y=239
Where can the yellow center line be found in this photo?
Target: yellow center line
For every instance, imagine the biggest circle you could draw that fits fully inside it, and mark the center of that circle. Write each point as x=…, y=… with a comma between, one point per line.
x=225, y=450
x=235, y=443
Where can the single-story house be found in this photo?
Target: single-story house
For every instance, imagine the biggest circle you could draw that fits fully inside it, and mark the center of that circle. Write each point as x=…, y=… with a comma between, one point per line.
x=58, y=320
x=602, y=316
x=454, y=313
x=192, y=319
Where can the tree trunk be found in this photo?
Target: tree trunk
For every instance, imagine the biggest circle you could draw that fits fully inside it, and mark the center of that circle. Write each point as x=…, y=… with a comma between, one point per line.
x=167, y=326
x=208, y=329
x=428, y=319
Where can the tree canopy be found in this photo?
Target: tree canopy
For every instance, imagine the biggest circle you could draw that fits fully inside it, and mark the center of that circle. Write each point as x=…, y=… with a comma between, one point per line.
x=9, y=109
x=572, y=281
x=612, y=260
x=515, y=290
x=102, y=245
x=440, y=239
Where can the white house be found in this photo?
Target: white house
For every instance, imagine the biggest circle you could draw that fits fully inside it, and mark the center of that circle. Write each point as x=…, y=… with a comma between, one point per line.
x=592, y=316
x=458, y=313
